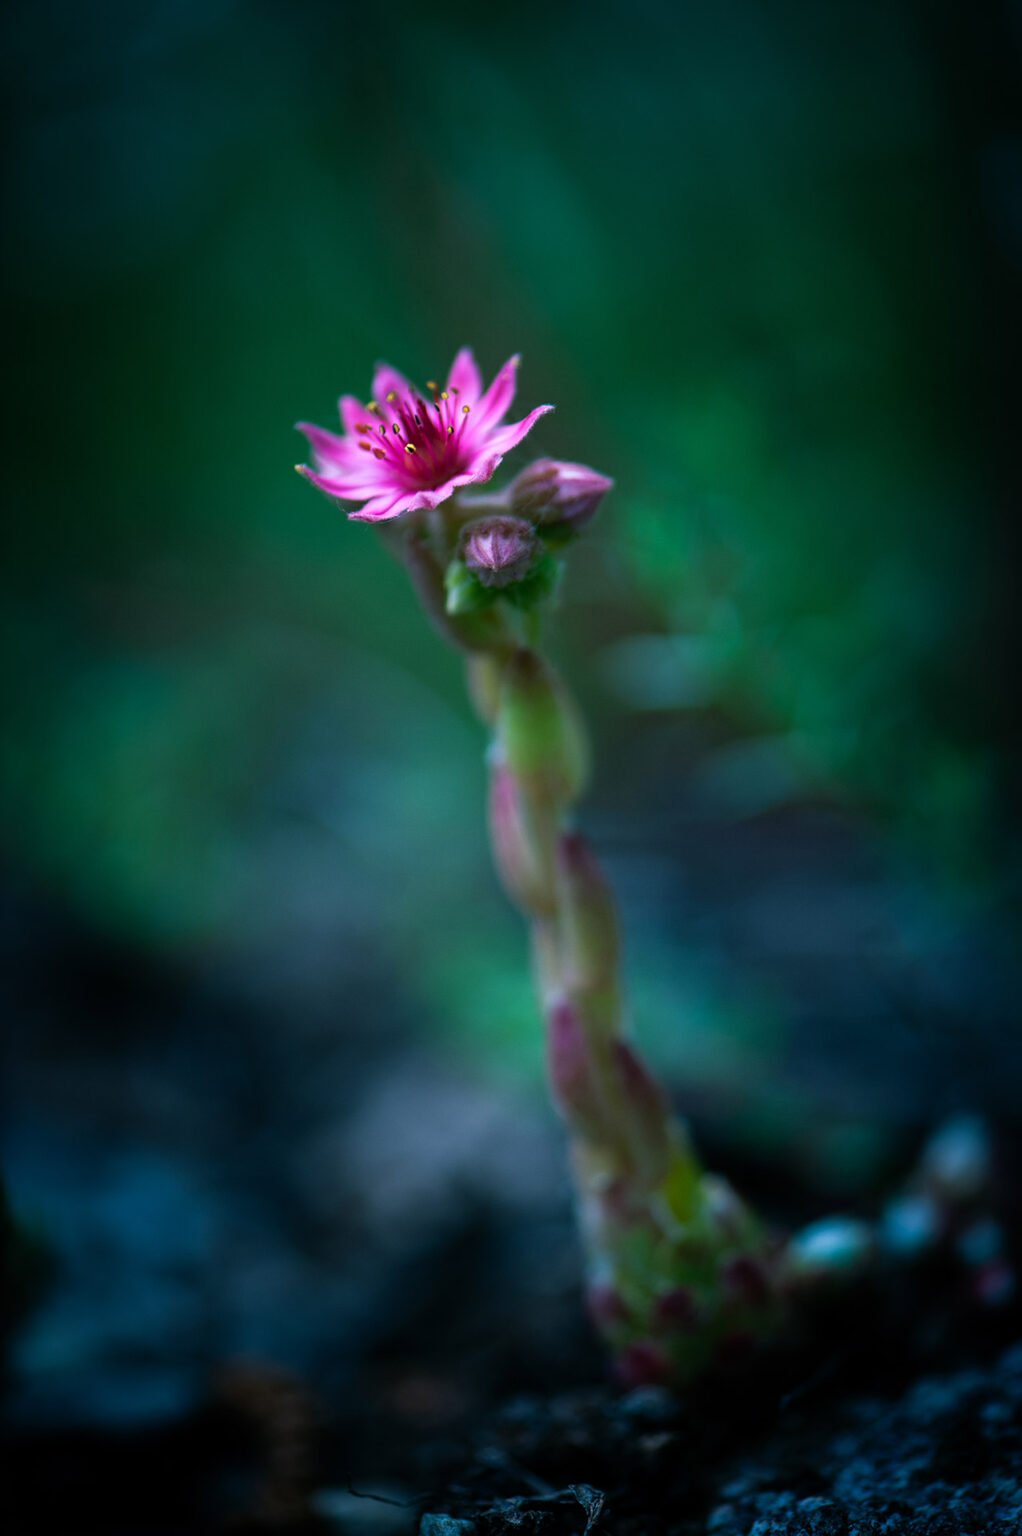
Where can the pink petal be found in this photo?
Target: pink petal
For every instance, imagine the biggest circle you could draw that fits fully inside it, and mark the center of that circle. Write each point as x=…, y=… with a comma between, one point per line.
x=390, y=504
x=353, y=414
x=505, y=438
x=497, y=399
x=345, y=459
x=428, y=497
x=484, y=467
x=328, y=448
x=380, y=509
x=386, y=380
x=347, y=487
x=464, y=379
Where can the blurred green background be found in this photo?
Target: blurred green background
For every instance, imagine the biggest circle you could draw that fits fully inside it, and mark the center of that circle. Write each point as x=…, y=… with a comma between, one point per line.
x=763, y=259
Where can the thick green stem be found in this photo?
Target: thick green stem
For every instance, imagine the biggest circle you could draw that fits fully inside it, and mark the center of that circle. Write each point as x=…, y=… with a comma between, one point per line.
x=660, y=1235
x=658, y=1232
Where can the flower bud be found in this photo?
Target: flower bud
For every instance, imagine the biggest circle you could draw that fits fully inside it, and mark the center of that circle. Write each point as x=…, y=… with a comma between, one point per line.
x=539, y=732
x=523, y=838
x=557, y=495
x=500, y=550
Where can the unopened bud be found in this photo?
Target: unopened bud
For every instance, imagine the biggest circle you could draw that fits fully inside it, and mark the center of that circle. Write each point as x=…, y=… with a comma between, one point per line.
x=500, y=550
x=523, y=838
x=558, y=496
x=539, y=732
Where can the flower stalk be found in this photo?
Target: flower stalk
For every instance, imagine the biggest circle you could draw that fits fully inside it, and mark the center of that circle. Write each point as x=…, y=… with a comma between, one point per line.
x=681, y=1274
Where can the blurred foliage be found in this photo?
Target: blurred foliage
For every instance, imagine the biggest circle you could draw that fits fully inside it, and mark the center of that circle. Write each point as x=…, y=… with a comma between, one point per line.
x=737, y=245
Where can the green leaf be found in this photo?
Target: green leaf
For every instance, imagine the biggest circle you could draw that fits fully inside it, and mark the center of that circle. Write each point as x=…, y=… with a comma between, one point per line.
x=465, y=593
x=536, y=588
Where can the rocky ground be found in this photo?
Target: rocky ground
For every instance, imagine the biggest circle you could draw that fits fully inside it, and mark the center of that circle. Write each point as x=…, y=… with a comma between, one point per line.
x=283, y=1264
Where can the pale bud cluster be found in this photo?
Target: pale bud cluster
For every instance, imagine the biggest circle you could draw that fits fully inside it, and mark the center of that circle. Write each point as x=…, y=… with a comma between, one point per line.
x=503, y=549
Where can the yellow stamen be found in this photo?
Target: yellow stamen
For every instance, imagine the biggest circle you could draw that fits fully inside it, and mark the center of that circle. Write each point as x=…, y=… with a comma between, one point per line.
x=409, y=448
x=391, y=395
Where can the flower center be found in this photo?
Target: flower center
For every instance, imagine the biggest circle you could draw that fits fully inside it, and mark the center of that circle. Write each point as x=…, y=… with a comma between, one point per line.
x=422, y=443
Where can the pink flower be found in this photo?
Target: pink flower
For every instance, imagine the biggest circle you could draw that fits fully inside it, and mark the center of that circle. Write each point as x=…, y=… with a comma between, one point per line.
x=407, y=449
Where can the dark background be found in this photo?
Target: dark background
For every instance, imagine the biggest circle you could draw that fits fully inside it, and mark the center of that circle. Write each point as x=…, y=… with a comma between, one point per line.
x=271, y=1063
